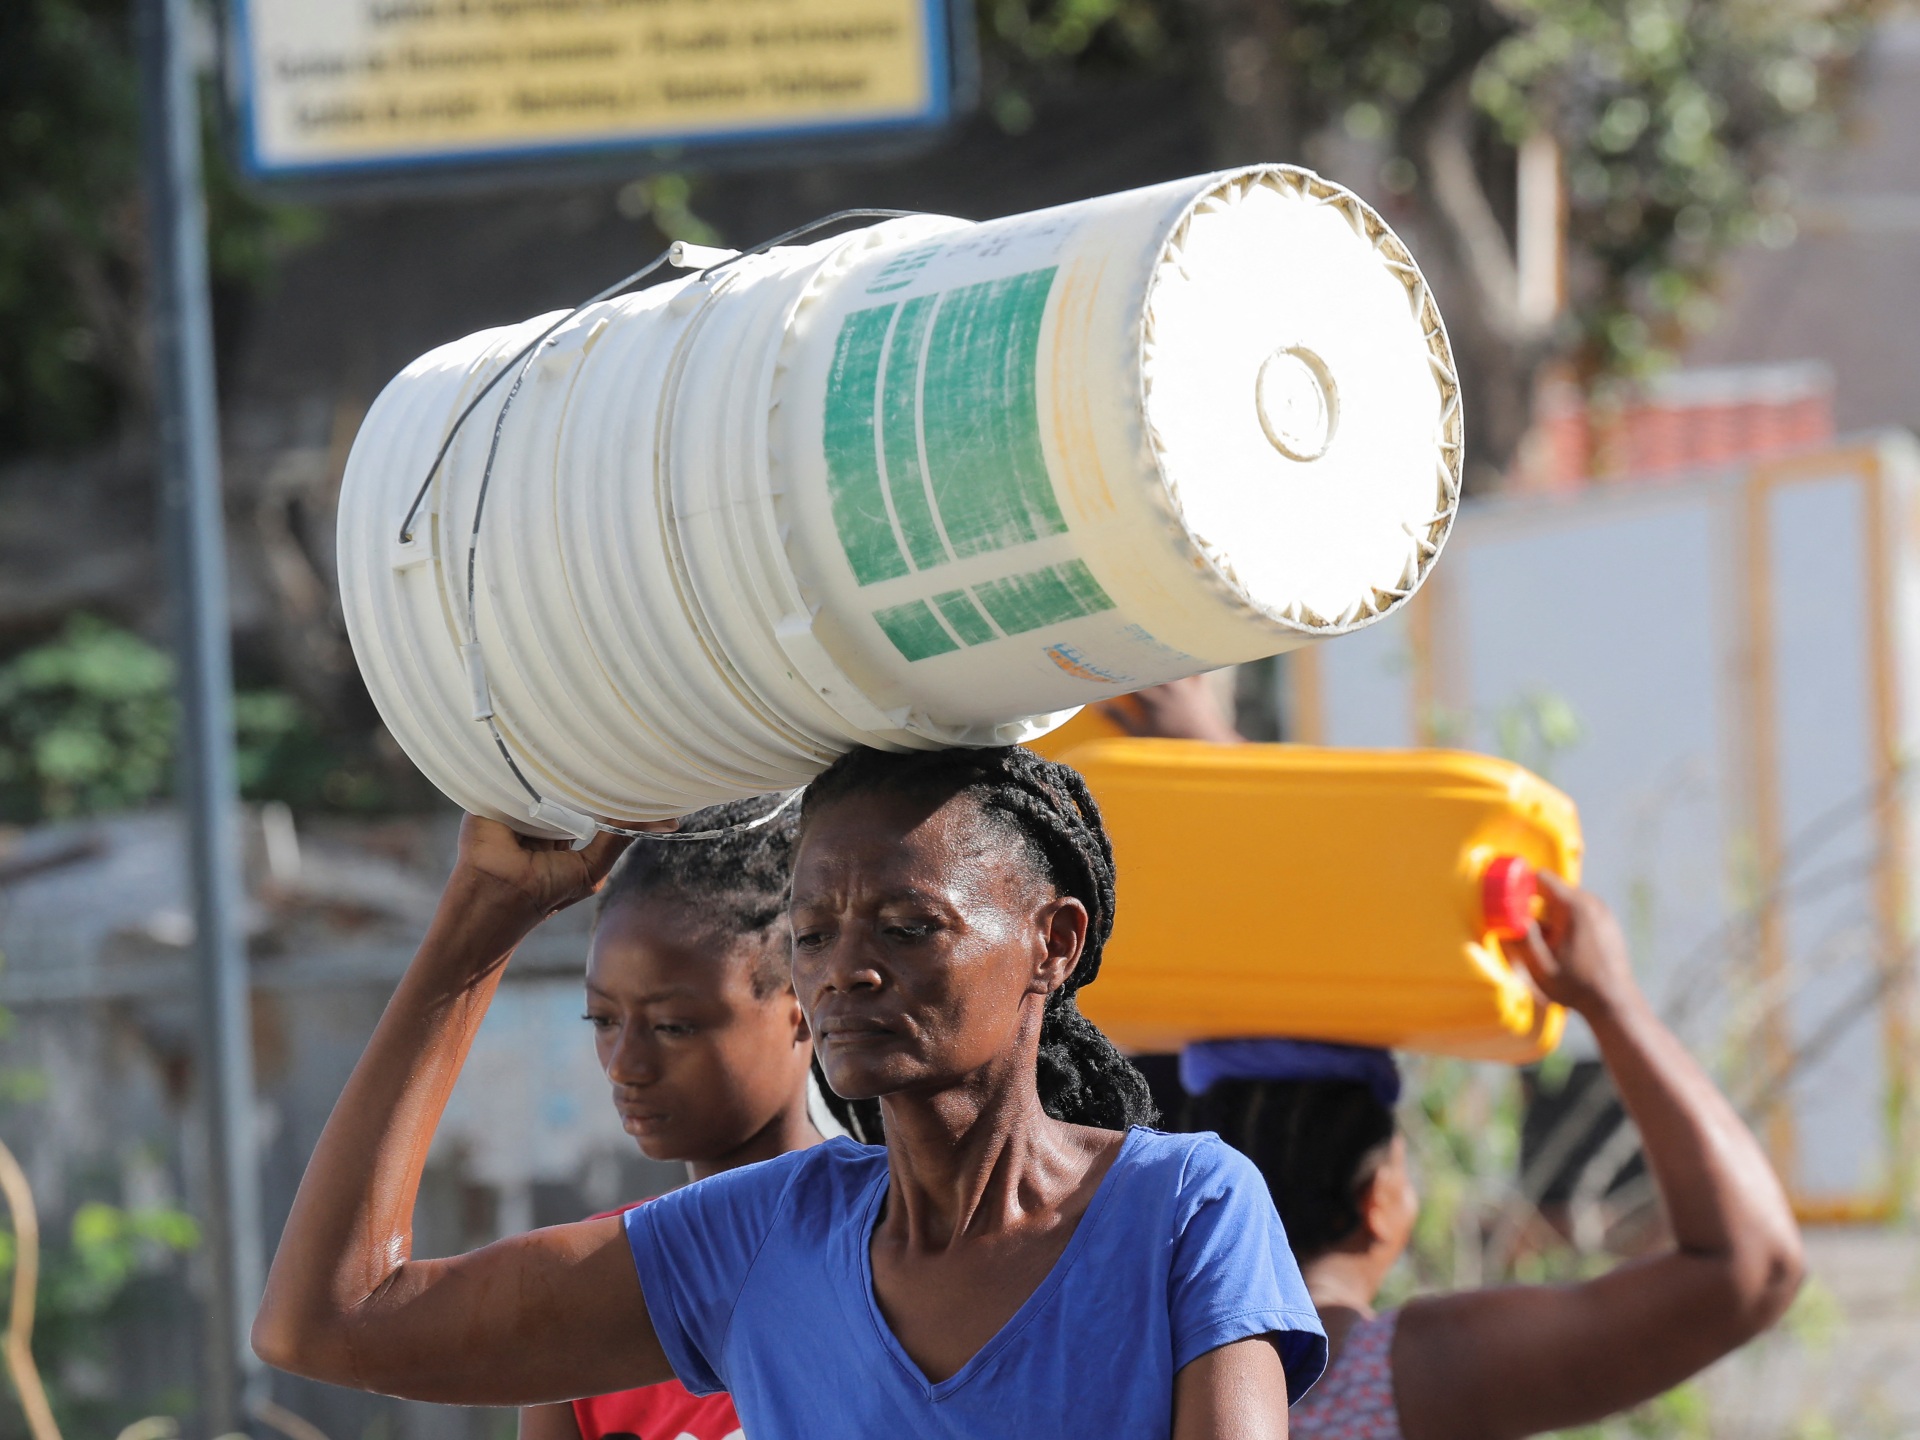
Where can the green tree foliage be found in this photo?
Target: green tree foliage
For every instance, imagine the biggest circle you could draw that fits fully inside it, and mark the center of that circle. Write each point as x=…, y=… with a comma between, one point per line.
x=106, y=1267
x=68, y=222
x=87, y=724
x=99, y=1274
x=667, y=200
x=1034, y=47
x=72, y=347
x=1535, y=728
x=1673, y=117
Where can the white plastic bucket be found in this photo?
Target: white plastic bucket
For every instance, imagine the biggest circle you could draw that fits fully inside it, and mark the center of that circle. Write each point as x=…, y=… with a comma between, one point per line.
x=933, y=482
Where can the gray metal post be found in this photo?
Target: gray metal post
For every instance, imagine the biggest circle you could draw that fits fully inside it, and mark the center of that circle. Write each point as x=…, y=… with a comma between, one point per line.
x=194, y=532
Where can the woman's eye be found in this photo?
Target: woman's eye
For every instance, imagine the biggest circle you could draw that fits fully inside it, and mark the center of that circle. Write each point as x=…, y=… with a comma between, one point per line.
x=672, y=1027
x=909, y=930
x=809, y=940
x=599, y=1022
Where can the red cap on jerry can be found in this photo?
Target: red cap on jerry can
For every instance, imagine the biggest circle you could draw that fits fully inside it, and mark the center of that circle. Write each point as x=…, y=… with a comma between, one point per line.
x=1506, y=896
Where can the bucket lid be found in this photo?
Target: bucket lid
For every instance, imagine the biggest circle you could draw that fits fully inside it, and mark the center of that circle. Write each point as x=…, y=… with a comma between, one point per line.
x=1301, y=398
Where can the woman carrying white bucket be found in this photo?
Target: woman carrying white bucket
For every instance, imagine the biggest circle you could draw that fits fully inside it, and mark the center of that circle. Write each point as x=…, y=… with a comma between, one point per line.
x=1020, y=1258
x=831, y=508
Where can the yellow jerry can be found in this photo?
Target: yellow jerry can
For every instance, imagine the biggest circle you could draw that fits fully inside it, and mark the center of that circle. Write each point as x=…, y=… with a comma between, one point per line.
x=1351, y=895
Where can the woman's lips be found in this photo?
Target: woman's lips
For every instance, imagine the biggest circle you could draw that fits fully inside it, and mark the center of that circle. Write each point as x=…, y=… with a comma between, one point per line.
x=854, y=1032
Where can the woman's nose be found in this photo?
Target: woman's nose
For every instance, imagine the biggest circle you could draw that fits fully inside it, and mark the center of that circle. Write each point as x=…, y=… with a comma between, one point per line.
x=845, y=967
x=630, y=1058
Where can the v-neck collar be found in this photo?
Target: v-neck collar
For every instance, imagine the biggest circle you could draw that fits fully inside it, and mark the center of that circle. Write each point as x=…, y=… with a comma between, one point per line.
x=1005, y=1335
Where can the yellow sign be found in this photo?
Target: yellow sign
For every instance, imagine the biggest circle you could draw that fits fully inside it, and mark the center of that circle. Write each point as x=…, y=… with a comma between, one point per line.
x=345, y=85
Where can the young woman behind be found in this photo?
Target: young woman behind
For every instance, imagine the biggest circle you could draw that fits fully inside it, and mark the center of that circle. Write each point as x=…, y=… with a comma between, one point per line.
x=1504, y=1363
x=703, y=1041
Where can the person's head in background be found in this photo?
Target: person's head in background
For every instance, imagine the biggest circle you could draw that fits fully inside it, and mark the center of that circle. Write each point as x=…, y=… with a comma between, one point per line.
x=1317, y=1120
x=690, y=997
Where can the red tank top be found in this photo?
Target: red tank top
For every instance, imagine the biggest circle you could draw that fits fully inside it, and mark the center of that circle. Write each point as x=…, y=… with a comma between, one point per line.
x=656, y=1412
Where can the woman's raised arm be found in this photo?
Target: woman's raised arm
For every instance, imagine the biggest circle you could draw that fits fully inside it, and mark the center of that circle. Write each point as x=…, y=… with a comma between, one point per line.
x=546, y=1316
x=1518, y=1361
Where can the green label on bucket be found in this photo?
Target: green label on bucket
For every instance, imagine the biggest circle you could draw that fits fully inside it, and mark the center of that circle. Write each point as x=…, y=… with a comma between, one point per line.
x=860, y=511
x=915, y=631
x=1045, y=597
x=1012, y=605
x=900, y=443
x=980, y=412
x=964, y=615
x=932, y=428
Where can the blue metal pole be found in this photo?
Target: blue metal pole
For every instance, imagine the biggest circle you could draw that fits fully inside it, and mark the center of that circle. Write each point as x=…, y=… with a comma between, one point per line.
x=194, y=532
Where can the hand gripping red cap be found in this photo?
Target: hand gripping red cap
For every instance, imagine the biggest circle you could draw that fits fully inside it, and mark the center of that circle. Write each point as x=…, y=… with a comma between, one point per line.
x=1507, y=889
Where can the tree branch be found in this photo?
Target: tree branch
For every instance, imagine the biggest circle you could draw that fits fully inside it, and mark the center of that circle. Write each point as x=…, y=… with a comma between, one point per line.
x=1460, y=203
x=1436, y=129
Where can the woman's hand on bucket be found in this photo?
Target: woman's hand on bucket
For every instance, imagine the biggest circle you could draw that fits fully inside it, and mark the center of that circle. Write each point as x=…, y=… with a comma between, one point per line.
x=1178, y=710
x=521, y=879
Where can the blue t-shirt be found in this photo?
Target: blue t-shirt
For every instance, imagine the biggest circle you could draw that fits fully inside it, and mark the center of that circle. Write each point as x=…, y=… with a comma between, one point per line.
x=759, y=1281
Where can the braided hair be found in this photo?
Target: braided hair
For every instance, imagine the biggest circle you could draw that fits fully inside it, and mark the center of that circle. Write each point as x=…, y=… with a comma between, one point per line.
x=1046, y=808
x=737, y=882
x=1319, y=1144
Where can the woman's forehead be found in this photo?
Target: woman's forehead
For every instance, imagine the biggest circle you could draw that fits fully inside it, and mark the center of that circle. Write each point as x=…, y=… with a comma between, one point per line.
x=884, y=817
x=900, y=842
x=658, y=947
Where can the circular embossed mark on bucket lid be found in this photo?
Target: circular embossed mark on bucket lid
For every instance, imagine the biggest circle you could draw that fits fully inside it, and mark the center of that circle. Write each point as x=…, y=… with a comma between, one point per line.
x=1298, y=404
x=1300, y=399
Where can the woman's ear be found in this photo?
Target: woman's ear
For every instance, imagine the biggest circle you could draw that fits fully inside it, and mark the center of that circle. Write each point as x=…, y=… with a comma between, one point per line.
x=1388, y=1202
x=1375, y=1211
x=1063, y=929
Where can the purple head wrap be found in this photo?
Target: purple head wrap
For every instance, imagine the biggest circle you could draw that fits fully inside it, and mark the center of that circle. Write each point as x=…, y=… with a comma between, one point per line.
x=1205, y=1063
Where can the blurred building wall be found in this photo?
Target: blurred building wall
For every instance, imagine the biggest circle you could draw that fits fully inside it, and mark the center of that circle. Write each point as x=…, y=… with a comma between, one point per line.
x=1724, y=674
x=1843, y=291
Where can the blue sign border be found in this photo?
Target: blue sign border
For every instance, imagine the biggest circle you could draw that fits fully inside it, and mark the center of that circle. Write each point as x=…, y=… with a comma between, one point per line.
x=937, y=113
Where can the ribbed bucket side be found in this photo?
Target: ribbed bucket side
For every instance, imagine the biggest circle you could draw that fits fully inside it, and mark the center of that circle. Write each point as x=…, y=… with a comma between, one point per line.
x=536, y=668
x=721, y=490
x=397, y=610
x=581, y=746
x=618, y=561
x=710, y=421
x=929, y=483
